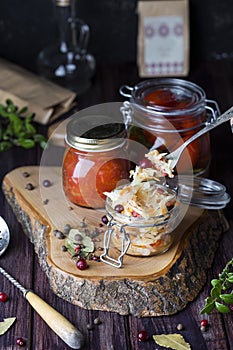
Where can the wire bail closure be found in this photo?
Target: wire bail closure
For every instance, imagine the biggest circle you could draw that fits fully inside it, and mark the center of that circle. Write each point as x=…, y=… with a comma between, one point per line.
x=214, y=111
x=125, y=242
x=127, y=113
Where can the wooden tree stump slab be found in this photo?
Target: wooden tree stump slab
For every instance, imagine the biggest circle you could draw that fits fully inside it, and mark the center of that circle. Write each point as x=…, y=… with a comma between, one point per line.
x=149, y=286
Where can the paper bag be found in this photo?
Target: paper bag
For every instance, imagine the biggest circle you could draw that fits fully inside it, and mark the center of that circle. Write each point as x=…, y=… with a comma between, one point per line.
x=163, y=38
x=42, y=97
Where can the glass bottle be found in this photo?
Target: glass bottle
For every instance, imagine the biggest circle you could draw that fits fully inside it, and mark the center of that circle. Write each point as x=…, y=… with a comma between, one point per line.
x=66, y=61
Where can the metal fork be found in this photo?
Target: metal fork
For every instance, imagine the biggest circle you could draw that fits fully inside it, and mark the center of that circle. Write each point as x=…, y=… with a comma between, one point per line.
x=175, y=155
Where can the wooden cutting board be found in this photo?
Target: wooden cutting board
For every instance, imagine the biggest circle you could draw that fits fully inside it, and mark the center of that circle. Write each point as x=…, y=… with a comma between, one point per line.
x=149, y=286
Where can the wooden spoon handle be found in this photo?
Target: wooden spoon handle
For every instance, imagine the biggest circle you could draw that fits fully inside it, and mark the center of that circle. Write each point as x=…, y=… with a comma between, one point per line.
x=58, y=323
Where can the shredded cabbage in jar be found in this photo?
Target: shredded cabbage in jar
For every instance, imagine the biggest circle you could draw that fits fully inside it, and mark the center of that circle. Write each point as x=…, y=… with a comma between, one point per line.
x=144, y=200
x=141, y=198
x=160, y=167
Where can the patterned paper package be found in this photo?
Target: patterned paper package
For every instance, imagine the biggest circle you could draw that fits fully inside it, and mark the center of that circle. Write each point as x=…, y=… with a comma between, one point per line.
x=163, y=38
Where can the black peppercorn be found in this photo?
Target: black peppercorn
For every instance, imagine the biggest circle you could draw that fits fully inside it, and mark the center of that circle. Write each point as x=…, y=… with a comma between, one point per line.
x=47, y=183
x=26, y=174
x=29, y=187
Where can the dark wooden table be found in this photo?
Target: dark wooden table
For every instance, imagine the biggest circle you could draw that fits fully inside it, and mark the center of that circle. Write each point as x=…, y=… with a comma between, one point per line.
x=119, y=332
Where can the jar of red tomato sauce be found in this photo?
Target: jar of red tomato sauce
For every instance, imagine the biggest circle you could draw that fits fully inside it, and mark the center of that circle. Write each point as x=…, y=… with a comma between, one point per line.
x=164, y=113
x=95, y=159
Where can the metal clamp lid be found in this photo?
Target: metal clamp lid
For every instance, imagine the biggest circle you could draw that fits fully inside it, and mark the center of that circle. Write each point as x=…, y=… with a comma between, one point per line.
x=125, y=242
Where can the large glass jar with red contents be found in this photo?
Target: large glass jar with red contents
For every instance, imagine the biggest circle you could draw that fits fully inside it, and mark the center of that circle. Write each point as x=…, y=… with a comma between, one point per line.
x=95, y=159
x=165, y=112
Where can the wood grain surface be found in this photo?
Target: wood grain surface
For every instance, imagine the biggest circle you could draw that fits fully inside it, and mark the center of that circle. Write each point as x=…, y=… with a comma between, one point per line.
x=123, y=290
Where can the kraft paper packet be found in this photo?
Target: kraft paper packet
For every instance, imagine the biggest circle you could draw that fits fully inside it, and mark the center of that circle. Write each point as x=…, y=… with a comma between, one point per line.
x=42, y=97
x=163, y=38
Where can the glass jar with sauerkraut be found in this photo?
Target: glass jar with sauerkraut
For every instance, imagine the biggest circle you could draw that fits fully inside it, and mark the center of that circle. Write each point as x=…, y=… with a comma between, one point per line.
x=145, y=215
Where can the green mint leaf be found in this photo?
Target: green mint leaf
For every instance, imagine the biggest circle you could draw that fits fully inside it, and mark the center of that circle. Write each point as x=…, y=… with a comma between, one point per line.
x=23, y=110
x=9, y=102
x=26, y=143
x=215, y=292
x=222, y=308
x=3, y=113
x=43, y=144
x=30, y=128
x=16, y=129
x=41, y=140
x=230, y=279
x=5, y=145
x=216, y=283
x=208, y=308
x=227, y=284
x=227, y=298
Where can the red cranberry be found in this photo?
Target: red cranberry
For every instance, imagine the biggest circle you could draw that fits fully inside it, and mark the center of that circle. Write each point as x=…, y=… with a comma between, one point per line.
x=104, y=219
x=20, y=341
x=77, y=248
x=81, y=264
x=142, y=336
x=119, y=208
x=96, y=258
x=204, y=323
x=3, y=297
x=160, y=190
x=145, y=163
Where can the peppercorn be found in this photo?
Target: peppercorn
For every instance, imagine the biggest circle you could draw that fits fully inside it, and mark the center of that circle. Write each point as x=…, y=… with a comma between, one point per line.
x=180, y=327
x=203, y=329
x=97, y=320
x=66, y=229
x=89, y=326
x=82, y=223
x=29, y=186
x=78, y=237
x=26, y=174
x=58, y=234
x=104, y=219
x=47, y=183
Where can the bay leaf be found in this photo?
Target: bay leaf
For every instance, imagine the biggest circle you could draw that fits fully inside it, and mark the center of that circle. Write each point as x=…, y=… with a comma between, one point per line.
x=86, y=241
x=6, y=324
x=172, y=341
